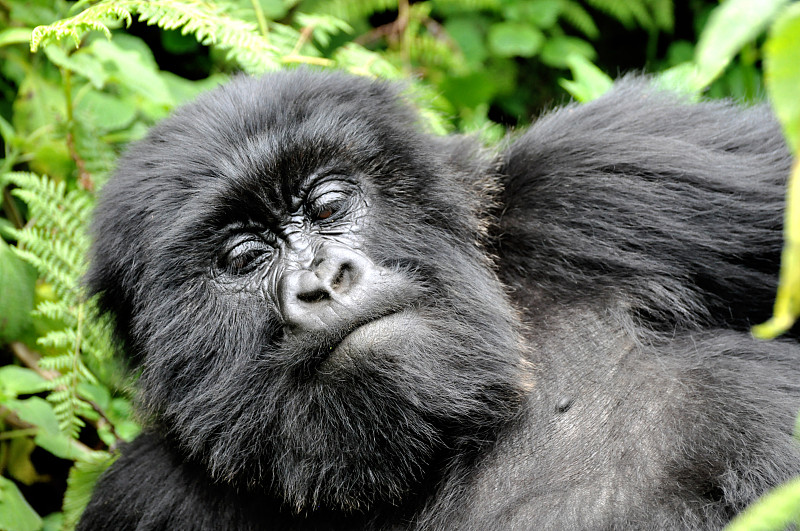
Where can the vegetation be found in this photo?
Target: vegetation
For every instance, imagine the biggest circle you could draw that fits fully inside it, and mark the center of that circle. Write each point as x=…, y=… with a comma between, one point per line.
x=81, y=79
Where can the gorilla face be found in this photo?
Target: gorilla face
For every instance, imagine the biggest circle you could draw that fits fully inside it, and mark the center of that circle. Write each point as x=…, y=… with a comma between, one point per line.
x=298, y=272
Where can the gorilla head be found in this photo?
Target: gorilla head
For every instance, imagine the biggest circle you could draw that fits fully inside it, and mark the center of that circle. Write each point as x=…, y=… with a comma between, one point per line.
x=286, y=262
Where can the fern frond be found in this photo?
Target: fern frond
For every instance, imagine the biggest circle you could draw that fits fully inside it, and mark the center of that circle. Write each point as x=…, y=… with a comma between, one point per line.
x=49, y=203
x=324, y=26
x=97, y=154
x=577, y=17
x=55, y=242
x=52, y=261
x=209, y=23
x=649, y=14
x=96, y=18
x=426, y=49
x=362, y=62
x=350, y=10
x=619, y=9
x=57, y=311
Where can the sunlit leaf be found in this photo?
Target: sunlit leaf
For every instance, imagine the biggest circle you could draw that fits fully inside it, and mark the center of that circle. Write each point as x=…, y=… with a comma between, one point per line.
x=731, y=25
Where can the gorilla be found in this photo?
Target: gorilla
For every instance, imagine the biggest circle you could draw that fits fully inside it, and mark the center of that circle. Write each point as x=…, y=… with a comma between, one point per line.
x=340, y=321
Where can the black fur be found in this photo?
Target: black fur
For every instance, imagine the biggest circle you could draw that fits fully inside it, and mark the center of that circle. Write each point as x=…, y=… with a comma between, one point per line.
x=572, y=350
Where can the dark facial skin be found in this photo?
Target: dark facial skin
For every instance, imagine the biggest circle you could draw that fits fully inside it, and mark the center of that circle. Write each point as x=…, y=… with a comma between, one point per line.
x=309, y=266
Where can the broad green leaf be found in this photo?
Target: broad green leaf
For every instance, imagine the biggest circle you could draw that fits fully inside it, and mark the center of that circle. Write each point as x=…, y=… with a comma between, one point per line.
x=468, y=34
x=53, y=522
x=183, y=89
x=731, y=25
x=16, y=381
x=81, y=482
x=36, y=411
x=32, y=12
x=96, y=393
x=470, y=90
x=15, y=36
x=556, y=50
x=17, y=281
x=511, y=39
x=680, y=78
x=133, y=70
x=782, y=73
x=541, y=13
x=18, y=461
x=777, y=510
x=783, y=84
x=787, y=301
x=40, y=413
x=15, y=512
x=589, y=81
x=81, y=62
x=106, y=112
x=59, y=444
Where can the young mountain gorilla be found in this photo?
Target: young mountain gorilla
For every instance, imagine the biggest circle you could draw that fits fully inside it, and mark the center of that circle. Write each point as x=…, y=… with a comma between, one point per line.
x=342, y=322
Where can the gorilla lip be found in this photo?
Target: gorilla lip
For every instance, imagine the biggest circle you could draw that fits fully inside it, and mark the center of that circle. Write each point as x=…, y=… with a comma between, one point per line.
x=368, y=337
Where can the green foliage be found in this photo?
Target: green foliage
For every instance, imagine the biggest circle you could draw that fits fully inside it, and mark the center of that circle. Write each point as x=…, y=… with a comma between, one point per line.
x=81, y=481
x=730, y=27
x=15, y=513
x=17, y=279
x=78, y=84
x=778, y=510
x=589, y=81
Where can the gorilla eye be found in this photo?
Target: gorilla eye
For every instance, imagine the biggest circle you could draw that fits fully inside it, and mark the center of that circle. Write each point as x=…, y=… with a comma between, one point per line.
x=326, y=205
x=244, y=254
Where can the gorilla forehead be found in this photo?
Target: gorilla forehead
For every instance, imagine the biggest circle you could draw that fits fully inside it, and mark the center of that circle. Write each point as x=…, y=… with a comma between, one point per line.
x=261, y=139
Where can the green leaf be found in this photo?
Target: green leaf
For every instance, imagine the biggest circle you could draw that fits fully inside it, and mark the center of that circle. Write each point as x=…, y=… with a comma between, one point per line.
x=559, y=48
x=183, y=89
x=470, y=90
x=14, y=36
x=15, y=513
x=782, y=75
x=510, y=39
x=589, y=81
x=15, y=381
x=17, y=281
x=106, y=112
x=782, y=81
x=730, y=26
x=787, y=300
x=81, y=62
x=777, y=510
x=96, y=393
x=36, y=411
x=53, y=522
x=134, y=70
x=18, y=461
x=541, y=13
x=468, y=34
x=80, y=484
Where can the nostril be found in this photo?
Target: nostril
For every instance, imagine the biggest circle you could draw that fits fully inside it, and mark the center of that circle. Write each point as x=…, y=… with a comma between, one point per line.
x=343, y=277
x=317, y=295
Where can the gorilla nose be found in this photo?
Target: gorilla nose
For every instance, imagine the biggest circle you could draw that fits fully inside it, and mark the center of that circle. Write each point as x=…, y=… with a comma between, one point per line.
x=322, y=295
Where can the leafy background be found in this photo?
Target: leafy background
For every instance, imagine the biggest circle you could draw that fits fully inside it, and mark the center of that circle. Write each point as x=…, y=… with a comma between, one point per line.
x=79, y=80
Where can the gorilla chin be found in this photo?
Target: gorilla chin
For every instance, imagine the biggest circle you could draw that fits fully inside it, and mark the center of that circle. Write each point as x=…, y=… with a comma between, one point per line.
x=343, y=322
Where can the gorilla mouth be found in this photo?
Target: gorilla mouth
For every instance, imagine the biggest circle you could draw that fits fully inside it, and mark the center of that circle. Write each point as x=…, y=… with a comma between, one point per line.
x=368, y=337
